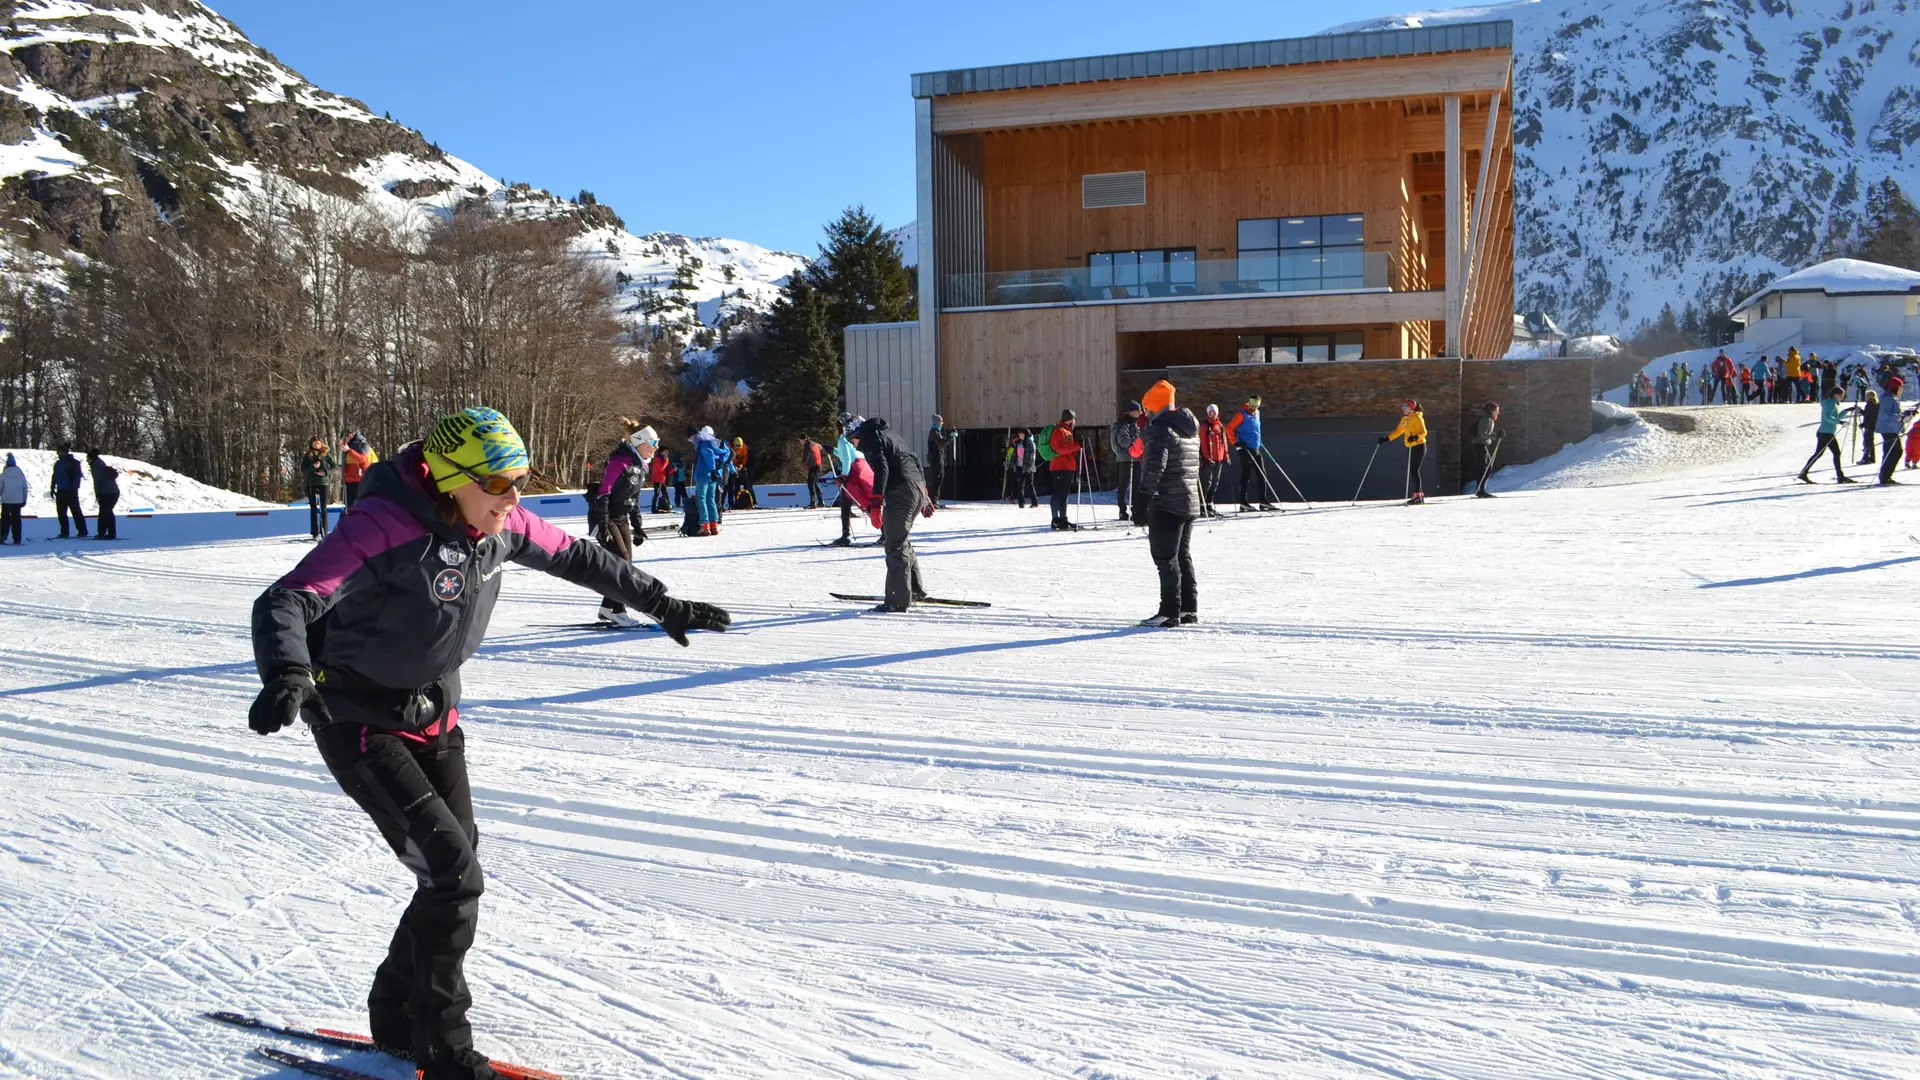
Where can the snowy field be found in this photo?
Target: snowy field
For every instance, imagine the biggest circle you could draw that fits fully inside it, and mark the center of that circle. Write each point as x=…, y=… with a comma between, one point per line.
x=1617, y=781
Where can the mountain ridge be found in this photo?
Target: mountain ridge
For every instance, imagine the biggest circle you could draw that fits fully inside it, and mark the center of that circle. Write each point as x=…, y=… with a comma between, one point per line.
x=1682, y=152
x=144, y=114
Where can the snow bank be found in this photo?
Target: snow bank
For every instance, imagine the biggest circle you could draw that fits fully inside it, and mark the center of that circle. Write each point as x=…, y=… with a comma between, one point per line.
x=143, y=486
x=1660, y=444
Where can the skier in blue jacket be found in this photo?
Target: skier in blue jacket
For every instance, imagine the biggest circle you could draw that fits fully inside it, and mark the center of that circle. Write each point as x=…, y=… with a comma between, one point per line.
x=1243, y=431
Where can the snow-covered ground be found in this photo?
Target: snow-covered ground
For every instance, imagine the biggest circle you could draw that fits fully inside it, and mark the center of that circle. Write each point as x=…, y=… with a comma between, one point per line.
x=143, y=486
x=1637, y=796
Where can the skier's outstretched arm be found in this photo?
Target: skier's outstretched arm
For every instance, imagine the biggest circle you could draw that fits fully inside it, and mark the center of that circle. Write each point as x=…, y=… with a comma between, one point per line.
x=542, y=546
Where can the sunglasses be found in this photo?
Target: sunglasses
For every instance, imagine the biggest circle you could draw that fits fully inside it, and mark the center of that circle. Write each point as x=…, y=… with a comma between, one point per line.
x=497, y=484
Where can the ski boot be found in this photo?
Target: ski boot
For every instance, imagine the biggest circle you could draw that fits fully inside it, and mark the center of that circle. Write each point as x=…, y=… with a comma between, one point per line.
x=1160, y=621
x=618, y=620
x=446, y=1063
x=845, y=541
x=1419, y=499
x=1268, y=508
x=1188, y=618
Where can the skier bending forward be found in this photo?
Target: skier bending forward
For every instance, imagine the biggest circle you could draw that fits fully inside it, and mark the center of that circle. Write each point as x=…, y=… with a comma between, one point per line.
x=364, y=640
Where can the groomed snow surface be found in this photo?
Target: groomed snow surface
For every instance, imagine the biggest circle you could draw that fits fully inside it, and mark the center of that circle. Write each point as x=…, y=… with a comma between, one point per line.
x=1616, y=781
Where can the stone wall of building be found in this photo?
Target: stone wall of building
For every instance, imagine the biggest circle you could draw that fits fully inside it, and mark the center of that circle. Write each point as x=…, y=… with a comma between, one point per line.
x=1544, y=404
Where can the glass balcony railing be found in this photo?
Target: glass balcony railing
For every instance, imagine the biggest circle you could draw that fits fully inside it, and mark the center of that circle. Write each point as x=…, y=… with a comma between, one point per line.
x=1291, y=272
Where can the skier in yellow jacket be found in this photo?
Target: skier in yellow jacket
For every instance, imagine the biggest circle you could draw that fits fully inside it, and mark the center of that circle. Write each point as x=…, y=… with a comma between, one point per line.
x=1413, y=429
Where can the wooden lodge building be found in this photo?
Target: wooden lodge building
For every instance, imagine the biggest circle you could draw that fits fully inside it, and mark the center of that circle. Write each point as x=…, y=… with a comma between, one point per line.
x=1326, y=222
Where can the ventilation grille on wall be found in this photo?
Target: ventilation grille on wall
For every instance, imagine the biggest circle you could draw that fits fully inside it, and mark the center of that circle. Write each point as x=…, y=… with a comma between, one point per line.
x=1098, y=190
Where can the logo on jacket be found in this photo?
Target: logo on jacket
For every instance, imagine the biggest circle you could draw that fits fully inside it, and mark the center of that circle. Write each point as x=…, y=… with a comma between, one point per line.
x=449, y=584
x=451, y=555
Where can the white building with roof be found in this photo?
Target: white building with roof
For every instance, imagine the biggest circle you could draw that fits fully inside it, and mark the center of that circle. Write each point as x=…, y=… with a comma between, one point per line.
x=1841, y=301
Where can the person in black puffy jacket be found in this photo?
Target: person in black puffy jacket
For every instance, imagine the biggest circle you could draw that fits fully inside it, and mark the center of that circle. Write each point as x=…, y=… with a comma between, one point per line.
x=364, y=640
x=899, y=497
x=1167, y=498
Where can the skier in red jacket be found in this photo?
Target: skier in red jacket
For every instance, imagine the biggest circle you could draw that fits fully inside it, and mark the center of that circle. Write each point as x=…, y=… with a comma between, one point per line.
x=1214, y=446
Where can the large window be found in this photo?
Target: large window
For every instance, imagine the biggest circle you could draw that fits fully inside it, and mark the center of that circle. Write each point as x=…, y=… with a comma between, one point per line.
x=1155, y=272
x=1303, y=254
x=1299, y=348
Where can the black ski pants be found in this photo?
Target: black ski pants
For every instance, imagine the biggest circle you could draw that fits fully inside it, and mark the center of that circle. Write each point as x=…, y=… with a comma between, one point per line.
x=417, y=796
x=815, y=499
x=1483, y=467
x=1889, y=456
x=617, y=536
x=897, y=516
x=1168, y=540
x=68, y=502
x=1210, y=482
x=10, y=521
x=1416, y=457
x=1023, y=492
x=1253, y=474
x=1060, y=485
x=317, y=510
x=349, y=492
x=1827, y=441
x=105, y=526
x=1126, y=474
x=936, y=479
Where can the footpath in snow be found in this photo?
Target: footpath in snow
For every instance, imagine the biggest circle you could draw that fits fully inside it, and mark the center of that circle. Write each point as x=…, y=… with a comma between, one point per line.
x=1613, y=780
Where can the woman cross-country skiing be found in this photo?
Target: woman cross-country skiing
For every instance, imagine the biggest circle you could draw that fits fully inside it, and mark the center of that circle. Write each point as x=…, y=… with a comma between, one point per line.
x=1413, y=428
x=364, y=640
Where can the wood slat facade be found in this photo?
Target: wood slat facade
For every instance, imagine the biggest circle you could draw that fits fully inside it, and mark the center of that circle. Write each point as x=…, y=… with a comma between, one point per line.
x=1397, y=133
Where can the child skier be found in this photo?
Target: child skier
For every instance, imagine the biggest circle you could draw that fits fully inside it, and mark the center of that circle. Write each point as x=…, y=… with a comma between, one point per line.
x=364, y=640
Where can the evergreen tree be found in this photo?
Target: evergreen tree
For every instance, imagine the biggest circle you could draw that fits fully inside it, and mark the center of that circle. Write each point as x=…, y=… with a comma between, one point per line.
x=792, y=365
x=1891, y=234
x=860, y=272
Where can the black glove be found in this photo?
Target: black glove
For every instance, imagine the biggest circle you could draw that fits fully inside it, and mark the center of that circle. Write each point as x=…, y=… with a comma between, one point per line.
x=281, y=699
x=1383, y=440
x=679, y=616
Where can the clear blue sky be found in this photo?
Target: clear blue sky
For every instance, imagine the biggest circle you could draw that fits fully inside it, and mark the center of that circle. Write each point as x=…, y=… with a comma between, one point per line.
x=756, y=121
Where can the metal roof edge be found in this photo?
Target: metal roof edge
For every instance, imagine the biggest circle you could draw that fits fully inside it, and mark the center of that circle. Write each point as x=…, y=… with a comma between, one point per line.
x=1278, y=52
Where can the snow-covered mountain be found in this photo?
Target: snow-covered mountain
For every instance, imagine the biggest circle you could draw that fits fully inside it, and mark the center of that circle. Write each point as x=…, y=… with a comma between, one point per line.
x=1677, y=150
x=129, y=114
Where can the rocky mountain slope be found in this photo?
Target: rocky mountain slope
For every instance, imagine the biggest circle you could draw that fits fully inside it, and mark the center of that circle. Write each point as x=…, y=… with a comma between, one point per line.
x=132, y=114
x=1677, y=150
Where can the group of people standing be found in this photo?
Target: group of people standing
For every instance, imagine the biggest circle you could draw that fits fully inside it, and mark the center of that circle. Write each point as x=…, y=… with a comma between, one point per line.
x=65, y=486
x=1237, y=439
x=1778, y=380
x=317, y=468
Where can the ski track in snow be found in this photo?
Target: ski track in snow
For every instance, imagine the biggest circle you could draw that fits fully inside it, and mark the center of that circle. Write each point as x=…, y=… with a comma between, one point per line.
x=1607, y=782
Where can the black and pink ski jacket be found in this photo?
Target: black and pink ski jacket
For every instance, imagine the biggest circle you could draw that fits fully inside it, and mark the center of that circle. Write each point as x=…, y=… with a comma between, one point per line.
x=386, y=609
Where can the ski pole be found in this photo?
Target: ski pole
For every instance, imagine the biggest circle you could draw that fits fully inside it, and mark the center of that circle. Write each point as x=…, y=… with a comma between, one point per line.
x=1365, y=473
x=1283, y=475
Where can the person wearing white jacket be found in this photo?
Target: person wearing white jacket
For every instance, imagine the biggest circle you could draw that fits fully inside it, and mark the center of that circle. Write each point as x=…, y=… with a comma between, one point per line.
x=13, y=497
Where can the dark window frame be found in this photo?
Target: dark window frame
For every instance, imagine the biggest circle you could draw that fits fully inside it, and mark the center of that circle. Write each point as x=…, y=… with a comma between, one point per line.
x=1290, y=234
